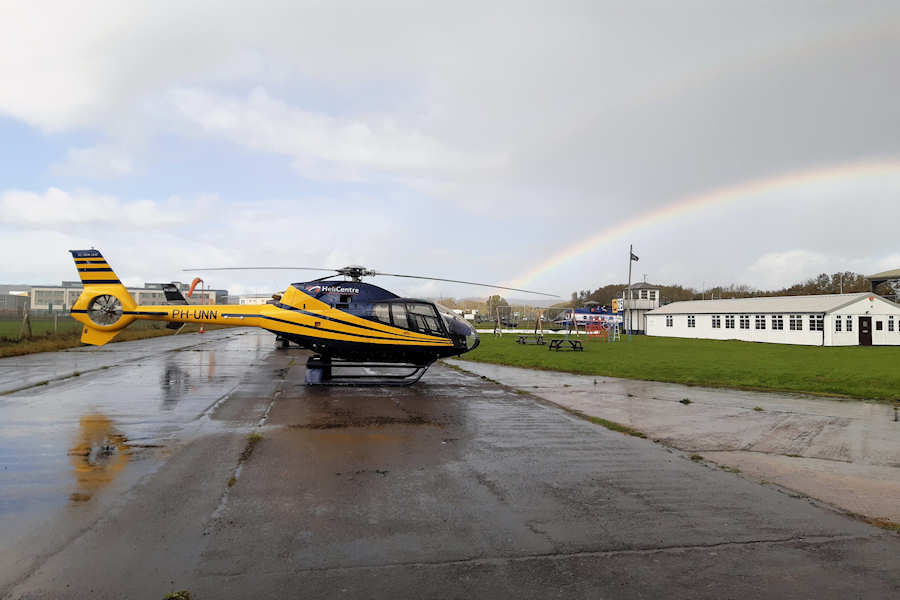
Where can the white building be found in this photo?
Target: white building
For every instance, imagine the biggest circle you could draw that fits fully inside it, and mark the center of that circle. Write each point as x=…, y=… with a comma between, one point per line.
x=245, y=299
x=860, y=319
x=644, y=298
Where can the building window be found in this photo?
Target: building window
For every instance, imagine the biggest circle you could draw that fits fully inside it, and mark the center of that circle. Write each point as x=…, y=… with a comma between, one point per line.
x=745, y=321
x=729, y=321
x=692, y=321
x=890, y=323
x=668, y=320
x=849, y=323
x=838, y=323
x=816, y=322
x=795, y=322
x=778, y=322
x=879, y=325
x=717, y=321
x=643, y=294
x=652, y=294
x=760, y=321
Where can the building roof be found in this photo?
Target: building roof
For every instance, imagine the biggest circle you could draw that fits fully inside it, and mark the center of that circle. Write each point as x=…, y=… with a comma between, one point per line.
x=884, y=275
x=642, y=285
x=822, y=303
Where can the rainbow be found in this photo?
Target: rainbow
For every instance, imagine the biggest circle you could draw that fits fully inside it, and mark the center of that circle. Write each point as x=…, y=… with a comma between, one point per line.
x=718, y=197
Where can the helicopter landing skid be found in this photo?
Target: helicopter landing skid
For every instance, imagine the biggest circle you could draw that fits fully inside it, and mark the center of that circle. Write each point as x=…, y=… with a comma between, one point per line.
x=320, y=371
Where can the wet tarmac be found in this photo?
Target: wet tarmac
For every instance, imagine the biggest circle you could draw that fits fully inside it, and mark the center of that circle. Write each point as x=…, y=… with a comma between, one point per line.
x=140, y=479
x=65, y=441
x=844, y=452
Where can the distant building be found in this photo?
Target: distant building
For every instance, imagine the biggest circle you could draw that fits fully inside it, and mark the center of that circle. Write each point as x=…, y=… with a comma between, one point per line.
x=891, y=278
x=62, y=297
x=859, y=319
x=644, y=298
x=250, y=299
x=221, y=296
x=12, y=302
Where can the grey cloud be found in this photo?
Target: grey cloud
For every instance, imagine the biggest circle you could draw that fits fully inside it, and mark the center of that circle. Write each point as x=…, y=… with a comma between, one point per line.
x=557, y=120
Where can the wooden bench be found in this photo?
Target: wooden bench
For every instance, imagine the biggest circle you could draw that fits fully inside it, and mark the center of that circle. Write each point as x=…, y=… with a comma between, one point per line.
x=531, y=339
x=573, y=345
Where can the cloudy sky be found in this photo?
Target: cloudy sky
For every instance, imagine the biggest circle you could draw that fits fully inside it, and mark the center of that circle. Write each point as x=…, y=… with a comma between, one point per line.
x=526, y=143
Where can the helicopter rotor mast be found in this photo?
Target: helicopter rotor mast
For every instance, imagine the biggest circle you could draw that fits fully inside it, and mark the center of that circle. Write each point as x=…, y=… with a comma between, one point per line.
x=357, y=272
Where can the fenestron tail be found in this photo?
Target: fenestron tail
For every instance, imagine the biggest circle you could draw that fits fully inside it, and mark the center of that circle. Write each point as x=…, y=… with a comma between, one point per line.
x=104, y=305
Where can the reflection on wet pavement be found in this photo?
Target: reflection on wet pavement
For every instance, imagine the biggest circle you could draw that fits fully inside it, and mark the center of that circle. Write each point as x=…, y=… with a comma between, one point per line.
x=66, y=442
x=98, y=457
x=174, y=383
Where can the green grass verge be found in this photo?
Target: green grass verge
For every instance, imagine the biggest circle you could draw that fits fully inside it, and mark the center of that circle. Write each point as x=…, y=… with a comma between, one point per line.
x=9, y=328
x=70, y=337
x=857, y=372
x=613, y=426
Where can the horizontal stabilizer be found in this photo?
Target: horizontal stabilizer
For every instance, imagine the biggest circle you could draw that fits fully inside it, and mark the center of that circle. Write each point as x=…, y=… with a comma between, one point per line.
x=173, y=294
x=96, y=337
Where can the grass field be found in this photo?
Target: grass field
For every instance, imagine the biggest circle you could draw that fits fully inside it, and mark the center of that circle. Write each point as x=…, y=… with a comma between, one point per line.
x=858, y=372
x=9, y=328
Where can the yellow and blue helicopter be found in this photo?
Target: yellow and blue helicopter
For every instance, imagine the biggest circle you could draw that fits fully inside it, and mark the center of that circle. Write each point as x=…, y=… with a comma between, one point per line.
x=349, y=324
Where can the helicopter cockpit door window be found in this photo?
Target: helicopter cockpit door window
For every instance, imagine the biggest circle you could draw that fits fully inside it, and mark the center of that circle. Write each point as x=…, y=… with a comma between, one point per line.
x=398, y=311
x=424, y=319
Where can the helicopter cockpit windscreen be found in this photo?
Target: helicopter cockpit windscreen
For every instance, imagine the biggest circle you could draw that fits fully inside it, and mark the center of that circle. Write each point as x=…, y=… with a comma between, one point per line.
x=459, y=327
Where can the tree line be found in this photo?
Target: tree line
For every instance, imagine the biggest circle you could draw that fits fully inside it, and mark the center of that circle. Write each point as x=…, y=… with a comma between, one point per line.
x=824, y=283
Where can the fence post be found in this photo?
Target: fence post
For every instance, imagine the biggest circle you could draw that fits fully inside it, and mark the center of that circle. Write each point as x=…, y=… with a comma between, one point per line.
x=26, y=327
x=55, y=322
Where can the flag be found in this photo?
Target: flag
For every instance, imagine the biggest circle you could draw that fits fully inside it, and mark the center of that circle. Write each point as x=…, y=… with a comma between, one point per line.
x=634, y=257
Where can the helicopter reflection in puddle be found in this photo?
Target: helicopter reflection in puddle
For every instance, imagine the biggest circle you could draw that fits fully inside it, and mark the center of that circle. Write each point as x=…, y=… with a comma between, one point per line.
x=175, y=383
x=99, y=455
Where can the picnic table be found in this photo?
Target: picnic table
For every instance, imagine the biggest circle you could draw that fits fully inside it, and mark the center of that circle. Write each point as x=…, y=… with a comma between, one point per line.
x=531, y=339
x=563, y=344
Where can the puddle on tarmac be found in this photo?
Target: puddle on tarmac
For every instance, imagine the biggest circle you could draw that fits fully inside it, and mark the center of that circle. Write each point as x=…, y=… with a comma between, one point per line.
x=100, y=454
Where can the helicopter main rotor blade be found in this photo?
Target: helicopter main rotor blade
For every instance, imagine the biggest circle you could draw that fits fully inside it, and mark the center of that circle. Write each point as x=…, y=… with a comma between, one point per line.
x=365, y=273
x=488, y=285
x=261, y=269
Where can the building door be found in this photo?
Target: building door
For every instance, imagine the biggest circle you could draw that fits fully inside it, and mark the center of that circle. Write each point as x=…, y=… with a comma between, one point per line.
x=865, y=331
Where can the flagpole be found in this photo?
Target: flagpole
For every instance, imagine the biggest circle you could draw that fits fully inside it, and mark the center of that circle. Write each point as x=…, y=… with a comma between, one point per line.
x=628, y=298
